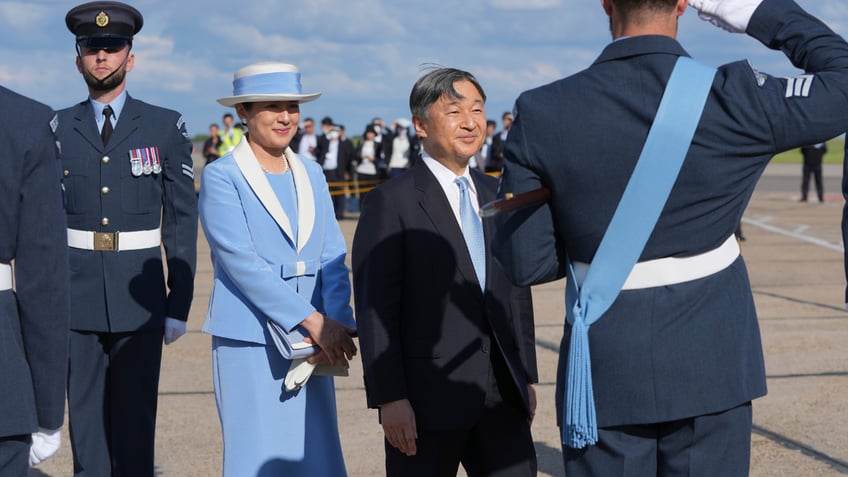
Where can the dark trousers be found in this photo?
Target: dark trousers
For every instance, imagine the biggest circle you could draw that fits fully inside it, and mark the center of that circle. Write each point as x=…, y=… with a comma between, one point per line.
x=499, y=445
x=704, y=446
x=14, y=455
x=335, y=180
x=812, y=168
x=113, y=385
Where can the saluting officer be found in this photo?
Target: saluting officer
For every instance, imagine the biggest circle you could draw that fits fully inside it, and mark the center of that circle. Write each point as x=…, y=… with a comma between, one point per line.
x=677, y=358
x=33, y=317
x=130, y=186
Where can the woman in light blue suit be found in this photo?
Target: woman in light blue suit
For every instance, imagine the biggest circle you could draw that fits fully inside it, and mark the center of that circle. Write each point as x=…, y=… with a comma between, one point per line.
x=278, y=255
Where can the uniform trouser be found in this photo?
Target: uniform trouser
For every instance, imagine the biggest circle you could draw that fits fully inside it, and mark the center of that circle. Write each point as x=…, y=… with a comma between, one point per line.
x=814, y=169
x=703, y=446
x=335, y=177
x=113, y=384
x=14, y=455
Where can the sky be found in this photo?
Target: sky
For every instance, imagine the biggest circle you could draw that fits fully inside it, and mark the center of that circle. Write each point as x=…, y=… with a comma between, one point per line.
x=363, y=55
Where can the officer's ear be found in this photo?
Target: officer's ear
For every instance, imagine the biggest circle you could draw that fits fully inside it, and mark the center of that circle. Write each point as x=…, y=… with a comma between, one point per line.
x=130, y=61
x=79, y=63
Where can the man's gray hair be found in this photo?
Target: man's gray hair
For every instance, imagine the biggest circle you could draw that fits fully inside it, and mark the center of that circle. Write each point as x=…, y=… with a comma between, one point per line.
x=435, y=84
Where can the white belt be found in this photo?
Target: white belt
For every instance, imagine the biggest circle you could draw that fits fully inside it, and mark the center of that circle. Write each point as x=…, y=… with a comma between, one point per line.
x=5, y=276
x=114, y=241
x=672, y=270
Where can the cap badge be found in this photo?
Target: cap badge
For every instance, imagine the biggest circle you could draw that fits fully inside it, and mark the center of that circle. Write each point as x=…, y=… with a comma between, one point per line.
x=102, y=19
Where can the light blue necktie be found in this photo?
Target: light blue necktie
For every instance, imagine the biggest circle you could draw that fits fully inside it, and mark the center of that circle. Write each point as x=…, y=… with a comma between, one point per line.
x=472, y=230
x=635, y=217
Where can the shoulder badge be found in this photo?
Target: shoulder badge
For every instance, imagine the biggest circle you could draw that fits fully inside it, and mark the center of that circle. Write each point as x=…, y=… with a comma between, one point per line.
x=54, y=123
x=760, y=77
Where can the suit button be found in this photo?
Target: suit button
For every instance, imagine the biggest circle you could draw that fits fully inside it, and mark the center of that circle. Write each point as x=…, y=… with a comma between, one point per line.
x=105, y=160
x=66, y=173
x=485, y=348
x=105, y=190
x=105, y=221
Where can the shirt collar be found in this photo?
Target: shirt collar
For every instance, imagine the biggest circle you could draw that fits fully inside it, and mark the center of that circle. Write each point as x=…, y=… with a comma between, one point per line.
x=117, y=106
x=445, y=176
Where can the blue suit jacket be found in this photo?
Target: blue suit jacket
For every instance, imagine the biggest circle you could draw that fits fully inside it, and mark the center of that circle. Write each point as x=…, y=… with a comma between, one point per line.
x=255, y=261
x=125, y=291
x=670, y=352
x=34, y=318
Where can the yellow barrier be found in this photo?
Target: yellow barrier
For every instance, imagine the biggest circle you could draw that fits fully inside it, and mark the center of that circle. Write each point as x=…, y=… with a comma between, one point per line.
x=353, y=187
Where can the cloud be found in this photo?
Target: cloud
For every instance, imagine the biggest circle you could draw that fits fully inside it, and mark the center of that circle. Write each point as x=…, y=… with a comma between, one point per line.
x=525, y=4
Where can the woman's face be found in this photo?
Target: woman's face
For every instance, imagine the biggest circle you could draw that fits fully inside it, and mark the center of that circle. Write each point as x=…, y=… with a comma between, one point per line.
x=271, y=125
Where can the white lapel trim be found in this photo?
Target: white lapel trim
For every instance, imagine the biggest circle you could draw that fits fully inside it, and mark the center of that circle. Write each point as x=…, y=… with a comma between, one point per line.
x=305, y=199
x=252, y=172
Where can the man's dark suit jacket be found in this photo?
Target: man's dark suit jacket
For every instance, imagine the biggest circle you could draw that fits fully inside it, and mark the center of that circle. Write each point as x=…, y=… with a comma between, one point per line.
x=425, y=327
x=346, y=155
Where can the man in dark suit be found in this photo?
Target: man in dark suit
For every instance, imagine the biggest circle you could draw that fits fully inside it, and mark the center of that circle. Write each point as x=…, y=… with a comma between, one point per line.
x=677, y=358
x=130, y=187
x=335, y=155
x=447, y=342
x=496, y=154
x=33, y=317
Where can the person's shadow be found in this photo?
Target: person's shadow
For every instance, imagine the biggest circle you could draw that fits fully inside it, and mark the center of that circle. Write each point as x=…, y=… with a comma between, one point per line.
x=444, y=330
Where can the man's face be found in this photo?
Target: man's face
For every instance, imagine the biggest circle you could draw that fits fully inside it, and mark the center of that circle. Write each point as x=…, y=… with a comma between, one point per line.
x=213, y=130
x=228, y=121
x=507, y=121
x=455, y=129
x=308, y=127
x=104, y=69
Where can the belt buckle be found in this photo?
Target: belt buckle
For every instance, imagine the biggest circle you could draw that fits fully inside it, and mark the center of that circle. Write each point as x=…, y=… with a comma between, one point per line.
x=106, y=241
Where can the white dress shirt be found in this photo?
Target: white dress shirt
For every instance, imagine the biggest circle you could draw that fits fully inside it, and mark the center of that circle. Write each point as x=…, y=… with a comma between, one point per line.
x=447, y=179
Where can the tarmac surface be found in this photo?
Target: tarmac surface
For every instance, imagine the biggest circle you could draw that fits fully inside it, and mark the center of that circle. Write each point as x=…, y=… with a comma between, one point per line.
x=794, y=256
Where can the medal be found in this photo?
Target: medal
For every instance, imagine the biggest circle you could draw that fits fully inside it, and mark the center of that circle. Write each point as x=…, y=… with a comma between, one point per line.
x=135, y=162
x=145, y=156
x=157, y=162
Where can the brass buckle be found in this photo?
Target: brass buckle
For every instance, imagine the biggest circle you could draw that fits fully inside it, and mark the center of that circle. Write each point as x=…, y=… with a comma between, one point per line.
x=106, y=241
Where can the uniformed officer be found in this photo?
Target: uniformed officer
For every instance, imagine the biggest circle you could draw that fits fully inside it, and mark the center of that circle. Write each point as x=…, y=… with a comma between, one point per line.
x=130, y=186
x=33, y=317
x=677, y=358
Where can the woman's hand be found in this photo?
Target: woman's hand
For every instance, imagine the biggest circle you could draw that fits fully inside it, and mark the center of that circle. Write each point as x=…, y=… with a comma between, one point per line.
x=332, y=337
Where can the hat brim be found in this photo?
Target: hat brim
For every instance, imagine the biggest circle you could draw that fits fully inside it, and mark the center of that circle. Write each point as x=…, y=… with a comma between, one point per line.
x=107, y=42
x=231, y=101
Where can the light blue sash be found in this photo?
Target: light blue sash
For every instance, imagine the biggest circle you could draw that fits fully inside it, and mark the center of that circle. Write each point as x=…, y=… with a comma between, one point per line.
x=634, y=220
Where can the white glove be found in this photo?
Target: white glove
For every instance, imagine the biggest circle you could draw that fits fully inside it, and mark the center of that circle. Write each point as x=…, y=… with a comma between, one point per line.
x=44, y=444
x=299, y=373
x=174, y=328
x=730, y=15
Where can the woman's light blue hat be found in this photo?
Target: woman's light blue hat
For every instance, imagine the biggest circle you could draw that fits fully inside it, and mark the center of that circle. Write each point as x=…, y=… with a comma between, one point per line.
x=267, y=81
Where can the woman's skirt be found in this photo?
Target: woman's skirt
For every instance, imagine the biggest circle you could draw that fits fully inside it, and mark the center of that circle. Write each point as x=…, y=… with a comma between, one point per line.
x=268, y=431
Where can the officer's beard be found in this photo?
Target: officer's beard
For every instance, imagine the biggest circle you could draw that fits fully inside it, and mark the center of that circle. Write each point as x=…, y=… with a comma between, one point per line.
x=110, y=82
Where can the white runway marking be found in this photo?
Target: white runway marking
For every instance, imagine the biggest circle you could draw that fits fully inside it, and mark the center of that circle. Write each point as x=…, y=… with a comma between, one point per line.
x=763, y=224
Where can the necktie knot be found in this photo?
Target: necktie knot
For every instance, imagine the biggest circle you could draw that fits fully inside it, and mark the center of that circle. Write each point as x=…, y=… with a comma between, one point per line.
x=106, y=132
x=462, y=183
